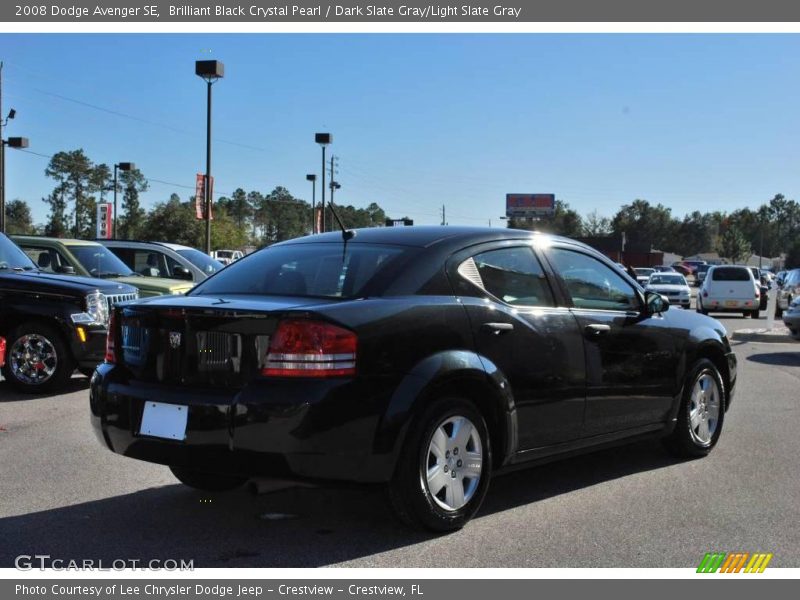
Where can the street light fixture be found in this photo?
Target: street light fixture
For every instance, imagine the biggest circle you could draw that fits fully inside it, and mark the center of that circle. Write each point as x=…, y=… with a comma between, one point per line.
x=334, y=186
x=211, y=71
x=323, y=139
x=123, y=166
x=12, y=142
x=313, y=179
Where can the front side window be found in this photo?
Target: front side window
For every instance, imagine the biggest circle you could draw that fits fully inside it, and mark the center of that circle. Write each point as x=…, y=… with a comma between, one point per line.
x=513, y=275
x=591, y=283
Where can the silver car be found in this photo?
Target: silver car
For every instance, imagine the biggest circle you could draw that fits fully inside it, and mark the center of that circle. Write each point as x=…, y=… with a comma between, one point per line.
x=791, y=318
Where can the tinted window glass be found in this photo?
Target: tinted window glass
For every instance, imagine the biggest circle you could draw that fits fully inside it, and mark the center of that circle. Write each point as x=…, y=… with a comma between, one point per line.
x=591, y=283
x=304, y=270
x=99, y=261
x=200, y=260
x=730, y=274
x=514, y=276
x=11, y=256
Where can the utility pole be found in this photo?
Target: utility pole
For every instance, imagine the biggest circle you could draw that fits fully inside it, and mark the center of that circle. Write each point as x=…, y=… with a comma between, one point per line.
x=332, y=184
x=444, y=218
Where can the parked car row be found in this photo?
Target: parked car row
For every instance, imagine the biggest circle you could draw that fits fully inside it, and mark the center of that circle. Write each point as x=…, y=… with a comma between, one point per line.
x=423, y=358
x=57, y=294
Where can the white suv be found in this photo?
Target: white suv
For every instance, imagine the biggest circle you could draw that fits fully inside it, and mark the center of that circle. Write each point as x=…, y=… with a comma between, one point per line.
x=729, y=288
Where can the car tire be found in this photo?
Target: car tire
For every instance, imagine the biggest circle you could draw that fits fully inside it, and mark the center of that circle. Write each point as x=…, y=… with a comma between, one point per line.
x=424, y=493
x=701, y=413
x=208, y=482
x=754, y=314
x=778, y=312
x=37, y=358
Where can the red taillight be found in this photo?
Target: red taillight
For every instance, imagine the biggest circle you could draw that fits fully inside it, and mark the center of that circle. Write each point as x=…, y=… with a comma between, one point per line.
x=2, y=351
x=306, y=348
x=111, y=354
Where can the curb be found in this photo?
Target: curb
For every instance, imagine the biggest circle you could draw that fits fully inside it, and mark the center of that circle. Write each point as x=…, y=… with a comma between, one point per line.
x=775, y=336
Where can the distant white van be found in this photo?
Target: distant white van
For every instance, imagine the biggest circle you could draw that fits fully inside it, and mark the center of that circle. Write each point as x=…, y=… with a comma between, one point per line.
x=729, y=288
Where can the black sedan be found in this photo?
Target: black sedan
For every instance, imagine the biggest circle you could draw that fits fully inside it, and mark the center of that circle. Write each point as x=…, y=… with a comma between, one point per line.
x=423, y=358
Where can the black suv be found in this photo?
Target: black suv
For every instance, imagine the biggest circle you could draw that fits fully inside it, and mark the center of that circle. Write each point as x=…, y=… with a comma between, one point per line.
x=53, y=324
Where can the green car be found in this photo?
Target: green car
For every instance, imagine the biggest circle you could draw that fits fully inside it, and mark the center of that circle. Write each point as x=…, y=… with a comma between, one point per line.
x=90, y=259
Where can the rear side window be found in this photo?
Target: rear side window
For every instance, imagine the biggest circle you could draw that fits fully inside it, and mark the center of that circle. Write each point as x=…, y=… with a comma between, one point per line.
x=730, y=274
x=326, y=270
x=513, y=275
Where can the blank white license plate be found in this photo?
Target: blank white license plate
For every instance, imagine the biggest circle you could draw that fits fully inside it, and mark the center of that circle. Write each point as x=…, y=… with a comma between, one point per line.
x=166, y=421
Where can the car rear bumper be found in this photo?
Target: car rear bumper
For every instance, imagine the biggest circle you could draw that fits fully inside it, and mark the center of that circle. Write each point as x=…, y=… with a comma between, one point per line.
x=267, y=428
x=730, y=305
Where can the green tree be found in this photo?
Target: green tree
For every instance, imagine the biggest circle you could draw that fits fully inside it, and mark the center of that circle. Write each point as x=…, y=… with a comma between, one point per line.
x=57, y=221
x=18, y=218
x=77, y=181
x=238, y=207
x=695, y=233
x=131, y=222
x=595, y=225
x=175, y=221
x=734, y=245
x=793, y=256
x=646, y=226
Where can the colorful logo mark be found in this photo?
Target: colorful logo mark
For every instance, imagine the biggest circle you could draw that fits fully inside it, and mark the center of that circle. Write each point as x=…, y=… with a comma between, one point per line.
x=734, y=562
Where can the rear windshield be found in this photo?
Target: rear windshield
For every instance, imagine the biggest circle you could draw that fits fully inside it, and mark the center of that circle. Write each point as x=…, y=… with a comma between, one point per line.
x=667, y=279
x=730, y=274
x=325, y=270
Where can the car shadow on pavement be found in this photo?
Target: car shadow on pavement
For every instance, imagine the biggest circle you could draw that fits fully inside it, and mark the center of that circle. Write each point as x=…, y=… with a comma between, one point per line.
x=294, y=527
x=9, y=394
x=780, y=359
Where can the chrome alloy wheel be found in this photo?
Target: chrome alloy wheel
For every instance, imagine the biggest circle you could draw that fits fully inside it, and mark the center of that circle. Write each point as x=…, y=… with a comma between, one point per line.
x=33, y=359
x=454, y=463
x=704, y=407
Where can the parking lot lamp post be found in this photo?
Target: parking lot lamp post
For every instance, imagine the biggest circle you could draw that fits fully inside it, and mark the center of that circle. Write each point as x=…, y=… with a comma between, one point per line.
x=323, y=139
x=123, y=166
x=12, y=142
x=313, y=179
x=211, y=71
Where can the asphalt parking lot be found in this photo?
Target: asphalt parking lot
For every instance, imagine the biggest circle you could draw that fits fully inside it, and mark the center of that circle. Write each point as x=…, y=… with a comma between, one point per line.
x=631, y=506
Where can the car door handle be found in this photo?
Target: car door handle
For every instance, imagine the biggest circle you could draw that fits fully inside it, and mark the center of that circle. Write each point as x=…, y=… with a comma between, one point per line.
x=497, y=328
x=596, y=329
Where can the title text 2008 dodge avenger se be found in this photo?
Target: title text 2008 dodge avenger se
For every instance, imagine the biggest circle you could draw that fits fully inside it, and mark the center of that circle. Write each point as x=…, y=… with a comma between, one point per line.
x=425, y=358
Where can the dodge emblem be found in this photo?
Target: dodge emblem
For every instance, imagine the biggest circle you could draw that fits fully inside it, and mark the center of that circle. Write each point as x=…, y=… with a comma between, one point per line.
x=175, y=339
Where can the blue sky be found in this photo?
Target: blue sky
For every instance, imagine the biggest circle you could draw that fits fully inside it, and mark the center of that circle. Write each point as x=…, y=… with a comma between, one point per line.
x=706, y=122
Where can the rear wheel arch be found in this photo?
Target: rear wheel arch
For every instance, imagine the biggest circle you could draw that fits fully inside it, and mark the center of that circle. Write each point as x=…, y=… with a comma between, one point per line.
x=480, y=392
x=459, y=374
x=716, y=355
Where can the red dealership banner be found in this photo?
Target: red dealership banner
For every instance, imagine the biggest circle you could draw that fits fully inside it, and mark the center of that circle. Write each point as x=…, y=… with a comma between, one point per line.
x=200, y=196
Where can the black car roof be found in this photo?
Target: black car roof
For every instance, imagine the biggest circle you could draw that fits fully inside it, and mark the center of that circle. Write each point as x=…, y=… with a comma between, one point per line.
x=424, y=236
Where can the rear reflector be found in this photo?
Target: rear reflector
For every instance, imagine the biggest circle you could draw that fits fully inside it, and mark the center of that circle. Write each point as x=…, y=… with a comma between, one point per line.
x=306, y=348
x=111, y=354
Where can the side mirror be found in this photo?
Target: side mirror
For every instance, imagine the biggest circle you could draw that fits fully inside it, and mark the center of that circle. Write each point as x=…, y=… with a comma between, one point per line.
x=655, y=303
x=182, y=273
x=66, y=270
